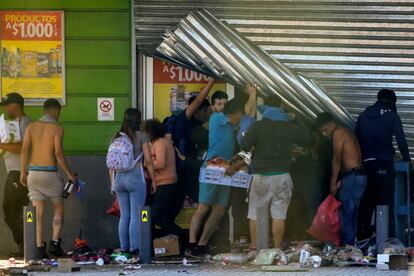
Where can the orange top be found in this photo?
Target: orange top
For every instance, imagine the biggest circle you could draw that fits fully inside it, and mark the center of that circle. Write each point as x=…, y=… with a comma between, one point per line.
x=163, y=158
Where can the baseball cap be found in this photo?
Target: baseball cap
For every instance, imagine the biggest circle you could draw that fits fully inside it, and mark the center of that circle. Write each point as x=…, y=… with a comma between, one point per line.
x=12, y=98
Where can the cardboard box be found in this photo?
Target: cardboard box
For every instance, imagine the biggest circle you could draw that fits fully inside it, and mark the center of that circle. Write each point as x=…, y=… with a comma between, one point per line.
x=67, y=265
x=9, y=131
x=392, y=262
x=166, y=246
x=217, y=176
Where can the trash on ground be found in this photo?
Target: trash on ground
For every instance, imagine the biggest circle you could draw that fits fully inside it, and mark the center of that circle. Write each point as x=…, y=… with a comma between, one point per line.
x=268, y=256
x=67, y=265
x=231, y=258
x=392, y=246
x=167, y=246
x=100, y=262
x=392, y=262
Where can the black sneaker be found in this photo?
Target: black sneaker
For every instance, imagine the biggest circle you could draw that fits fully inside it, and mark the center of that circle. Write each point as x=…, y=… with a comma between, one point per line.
x=55, y=249
x=197, y=252
x=41, y=252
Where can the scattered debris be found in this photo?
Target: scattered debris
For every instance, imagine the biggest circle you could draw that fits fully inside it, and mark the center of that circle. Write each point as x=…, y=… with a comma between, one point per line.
x=121, y=259
x=268, y=256
x=392, y=246
x=231, y=258
x=100, y=262
x=67, y=265
x=12, y=261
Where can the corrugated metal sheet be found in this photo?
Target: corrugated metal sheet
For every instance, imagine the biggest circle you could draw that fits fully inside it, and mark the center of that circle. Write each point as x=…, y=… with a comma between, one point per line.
x=209, y=45
x=351, y=48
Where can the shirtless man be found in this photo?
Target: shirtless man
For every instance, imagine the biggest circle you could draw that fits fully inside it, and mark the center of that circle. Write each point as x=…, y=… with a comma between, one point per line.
x=347, y=172
x=43, y=143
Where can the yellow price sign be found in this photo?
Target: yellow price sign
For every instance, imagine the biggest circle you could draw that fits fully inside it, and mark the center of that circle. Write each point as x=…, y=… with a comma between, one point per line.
x=144, y=216
x=29, y=216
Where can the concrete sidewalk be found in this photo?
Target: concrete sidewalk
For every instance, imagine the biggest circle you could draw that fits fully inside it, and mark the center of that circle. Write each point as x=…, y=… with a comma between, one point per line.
x=216, y=270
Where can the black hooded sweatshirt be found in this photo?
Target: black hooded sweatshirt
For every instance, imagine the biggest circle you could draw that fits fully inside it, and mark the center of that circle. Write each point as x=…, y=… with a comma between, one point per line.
x=375, y=129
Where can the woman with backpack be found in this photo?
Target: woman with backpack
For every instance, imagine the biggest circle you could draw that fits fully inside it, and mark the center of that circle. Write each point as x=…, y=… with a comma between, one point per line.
x=128, y=151
x=163, y=159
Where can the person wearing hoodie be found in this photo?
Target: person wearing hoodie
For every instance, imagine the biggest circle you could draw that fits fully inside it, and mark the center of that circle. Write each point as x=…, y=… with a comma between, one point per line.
x=375, y=129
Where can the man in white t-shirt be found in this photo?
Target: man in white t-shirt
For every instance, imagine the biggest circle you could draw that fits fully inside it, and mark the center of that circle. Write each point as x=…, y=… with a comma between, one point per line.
x=15, y=194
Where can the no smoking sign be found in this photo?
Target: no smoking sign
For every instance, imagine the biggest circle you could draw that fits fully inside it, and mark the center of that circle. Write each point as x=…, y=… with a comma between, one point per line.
x=106, y=109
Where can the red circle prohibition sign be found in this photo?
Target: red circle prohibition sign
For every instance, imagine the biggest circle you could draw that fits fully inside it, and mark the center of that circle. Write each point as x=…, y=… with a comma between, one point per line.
x=105, y=106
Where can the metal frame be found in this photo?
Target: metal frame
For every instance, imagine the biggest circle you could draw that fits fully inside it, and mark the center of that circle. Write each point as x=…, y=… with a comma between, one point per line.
x=403, y=209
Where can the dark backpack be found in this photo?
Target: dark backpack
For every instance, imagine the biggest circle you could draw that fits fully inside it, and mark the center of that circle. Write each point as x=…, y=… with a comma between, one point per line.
x=169, y=124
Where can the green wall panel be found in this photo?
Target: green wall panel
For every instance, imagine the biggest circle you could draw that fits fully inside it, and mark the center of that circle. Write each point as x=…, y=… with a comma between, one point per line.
x=98, y=81
x=65, y=4
x=98, y=64
x=98, y=24
x=79, y=139
x=98, y=52
x=83, y=110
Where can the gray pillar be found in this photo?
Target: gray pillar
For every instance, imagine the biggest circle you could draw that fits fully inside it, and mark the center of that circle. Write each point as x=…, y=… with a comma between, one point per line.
x=382, y=222
x=145, y=237
x=262, y=228
x=29, y=230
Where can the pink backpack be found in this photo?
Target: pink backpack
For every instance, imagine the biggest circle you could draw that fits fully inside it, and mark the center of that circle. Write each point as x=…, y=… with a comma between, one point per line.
x=120, y=155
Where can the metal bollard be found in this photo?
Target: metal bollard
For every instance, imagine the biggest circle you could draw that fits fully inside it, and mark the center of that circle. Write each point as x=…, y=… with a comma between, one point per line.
x=145, y=237
x=29, y=230
x=262, y=228
x=382, y=222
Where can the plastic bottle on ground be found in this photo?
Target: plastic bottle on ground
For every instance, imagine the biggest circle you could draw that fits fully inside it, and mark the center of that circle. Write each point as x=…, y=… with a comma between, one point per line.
x=231, y=258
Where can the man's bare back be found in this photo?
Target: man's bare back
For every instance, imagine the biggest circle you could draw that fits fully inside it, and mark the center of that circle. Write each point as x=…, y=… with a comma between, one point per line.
x=43, y=137
x=345, y=141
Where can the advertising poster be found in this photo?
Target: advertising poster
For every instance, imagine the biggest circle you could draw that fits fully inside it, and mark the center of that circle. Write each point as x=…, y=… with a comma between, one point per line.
x=174, y=85
x=32, y=54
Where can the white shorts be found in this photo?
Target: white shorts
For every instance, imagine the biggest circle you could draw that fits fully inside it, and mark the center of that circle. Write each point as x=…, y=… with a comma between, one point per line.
x=273, y=190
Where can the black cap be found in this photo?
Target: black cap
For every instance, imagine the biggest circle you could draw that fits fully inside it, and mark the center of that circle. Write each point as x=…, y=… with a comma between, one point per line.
x=12, y=98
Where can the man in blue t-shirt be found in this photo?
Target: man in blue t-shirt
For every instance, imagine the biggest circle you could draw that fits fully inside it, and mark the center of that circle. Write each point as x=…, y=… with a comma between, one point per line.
x=237, y=116
x=214, y=198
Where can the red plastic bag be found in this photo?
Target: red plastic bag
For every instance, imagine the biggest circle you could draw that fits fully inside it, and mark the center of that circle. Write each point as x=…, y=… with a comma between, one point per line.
x=114, y=209
x=326, y=225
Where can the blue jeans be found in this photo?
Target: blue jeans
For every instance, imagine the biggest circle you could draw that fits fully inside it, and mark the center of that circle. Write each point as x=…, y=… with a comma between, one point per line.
x=131, y=191
x=352, y=188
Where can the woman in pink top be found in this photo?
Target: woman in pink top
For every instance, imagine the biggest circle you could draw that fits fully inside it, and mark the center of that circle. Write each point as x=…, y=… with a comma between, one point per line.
x=163, y=158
